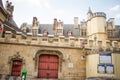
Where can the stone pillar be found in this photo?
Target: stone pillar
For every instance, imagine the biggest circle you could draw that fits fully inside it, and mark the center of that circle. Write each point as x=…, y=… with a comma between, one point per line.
x=62, y=38
x=50, y=38
x=8, y=35
x=39, y=38
x=72, y=40
x=19, y=36
x=29, y=37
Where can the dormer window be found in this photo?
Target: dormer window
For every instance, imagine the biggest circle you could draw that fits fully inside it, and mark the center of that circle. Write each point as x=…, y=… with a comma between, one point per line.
x=83, y=32
x=110, y=33
x=59, y=32
x=45, y=33
x=69, y=33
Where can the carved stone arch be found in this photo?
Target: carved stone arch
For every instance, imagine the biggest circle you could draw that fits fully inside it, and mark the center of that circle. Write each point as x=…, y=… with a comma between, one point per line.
x=16, y=56
x=50, y=52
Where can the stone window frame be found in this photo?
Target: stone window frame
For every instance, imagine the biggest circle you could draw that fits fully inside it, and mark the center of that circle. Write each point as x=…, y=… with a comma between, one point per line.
x=16, y=56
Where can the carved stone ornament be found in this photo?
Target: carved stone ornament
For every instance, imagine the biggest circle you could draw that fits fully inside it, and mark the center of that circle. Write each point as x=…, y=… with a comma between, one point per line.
x=16, y=56
x=50, y=40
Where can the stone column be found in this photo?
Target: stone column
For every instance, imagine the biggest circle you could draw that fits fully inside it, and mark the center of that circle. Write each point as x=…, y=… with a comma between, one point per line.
x=8, y=35
x=39, y=38
x=18, y=36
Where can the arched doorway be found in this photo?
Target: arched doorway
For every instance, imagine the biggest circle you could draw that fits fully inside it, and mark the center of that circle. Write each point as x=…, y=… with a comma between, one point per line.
x=16, y=67
x=48, y=66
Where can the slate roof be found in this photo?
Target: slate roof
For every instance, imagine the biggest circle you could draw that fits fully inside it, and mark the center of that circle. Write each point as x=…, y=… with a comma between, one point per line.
x=117, y=27
x=11, y=23
x=66, y=28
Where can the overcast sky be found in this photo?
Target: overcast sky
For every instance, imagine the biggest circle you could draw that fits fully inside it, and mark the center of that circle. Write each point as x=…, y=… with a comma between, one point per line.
x=65, y=10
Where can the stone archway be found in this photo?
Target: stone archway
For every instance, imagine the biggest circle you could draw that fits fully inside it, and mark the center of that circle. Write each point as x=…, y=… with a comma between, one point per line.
x=49, y=52
x=16, y=62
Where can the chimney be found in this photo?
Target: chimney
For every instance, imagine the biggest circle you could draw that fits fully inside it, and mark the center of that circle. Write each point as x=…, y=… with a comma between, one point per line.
x=75, y=22
x=34, y=22
x=55, y=24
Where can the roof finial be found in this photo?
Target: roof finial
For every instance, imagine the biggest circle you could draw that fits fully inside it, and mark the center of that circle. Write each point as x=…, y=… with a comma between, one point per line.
x=89, y=10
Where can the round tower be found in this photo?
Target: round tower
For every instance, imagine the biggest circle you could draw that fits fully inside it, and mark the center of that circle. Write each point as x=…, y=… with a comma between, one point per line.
x=96, y=27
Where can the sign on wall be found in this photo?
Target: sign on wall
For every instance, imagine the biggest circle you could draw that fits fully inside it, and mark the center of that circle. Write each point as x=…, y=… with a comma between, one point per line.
x=105, y=68
x=101, y=68
x=70, y=65
x=105, y=58
x=109, y=68
x=105, y=65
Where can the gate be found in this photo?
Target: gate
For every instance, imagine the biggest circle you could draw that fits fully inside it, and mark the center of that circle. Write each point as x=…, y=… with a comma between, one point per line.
x=48, y=66
x=16, y=68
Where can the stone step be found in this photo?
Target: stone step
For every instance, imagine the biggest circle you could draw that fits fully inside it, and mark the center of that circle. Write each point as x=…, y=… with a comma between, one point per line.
x=7, y=77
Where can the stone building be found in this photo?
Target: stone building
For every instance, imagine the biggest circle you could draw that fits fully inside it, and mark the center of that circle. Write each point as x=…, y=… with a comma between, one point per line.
x=59, y=51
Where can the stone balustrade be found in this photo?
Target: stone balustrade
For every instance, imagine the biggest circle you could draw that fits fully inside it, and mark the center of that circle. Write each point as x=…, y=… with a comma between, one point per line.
x=60, y=41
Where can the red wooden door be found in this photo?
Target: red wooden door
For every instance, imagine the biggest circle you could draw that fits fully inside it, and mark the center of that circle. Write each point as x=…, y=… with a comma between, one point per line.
x=16, y=68
x=48, y=66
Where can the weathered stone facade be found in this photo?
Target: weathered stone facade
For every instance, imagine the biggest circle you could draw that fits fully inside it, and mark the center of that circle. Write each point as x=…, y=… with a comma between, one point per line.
x=70, y=62
x=77, y=47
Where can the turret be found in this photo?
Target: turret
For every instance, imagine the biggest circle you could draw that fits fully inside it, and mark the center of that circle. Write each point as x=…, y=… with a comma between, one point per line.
x=89, y=14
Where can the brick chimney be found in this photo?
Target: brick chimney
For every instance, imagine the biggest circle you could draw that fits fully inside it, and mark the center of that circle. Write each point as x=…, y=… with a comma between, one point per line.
x=55, y=23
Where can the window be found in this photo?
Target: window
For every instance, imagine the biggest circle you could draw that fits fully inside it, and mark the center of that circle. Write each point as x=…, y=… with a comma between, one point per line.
x=45, y=33
x=59, y=32
x=83, y=32
x=110, y=33
x=69, y=33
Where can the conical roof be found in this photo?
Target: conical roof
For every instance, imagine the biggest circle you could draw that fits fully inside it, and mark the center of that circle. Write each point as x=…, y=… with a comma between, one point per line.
x=89, y=10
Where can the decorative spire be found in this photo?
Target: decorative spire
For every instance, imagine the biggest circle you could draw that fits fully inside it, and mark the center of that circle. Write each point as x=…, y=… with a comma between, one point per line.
x=89, y=10
x=9, y=7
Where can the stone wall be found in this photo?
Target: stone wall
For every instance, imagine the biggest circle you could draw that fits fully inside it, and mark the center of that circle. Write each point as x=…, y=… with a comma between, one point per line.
x=70, y=63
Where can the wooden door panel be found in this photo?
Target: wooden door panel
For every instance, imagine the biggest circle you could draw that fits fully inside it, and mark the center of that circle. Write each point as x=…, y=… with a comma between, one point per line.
x=16, y=68
x=43, y=65
x=42, y=73
x=53, y=66
x=53, y=74
x=48, y=66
